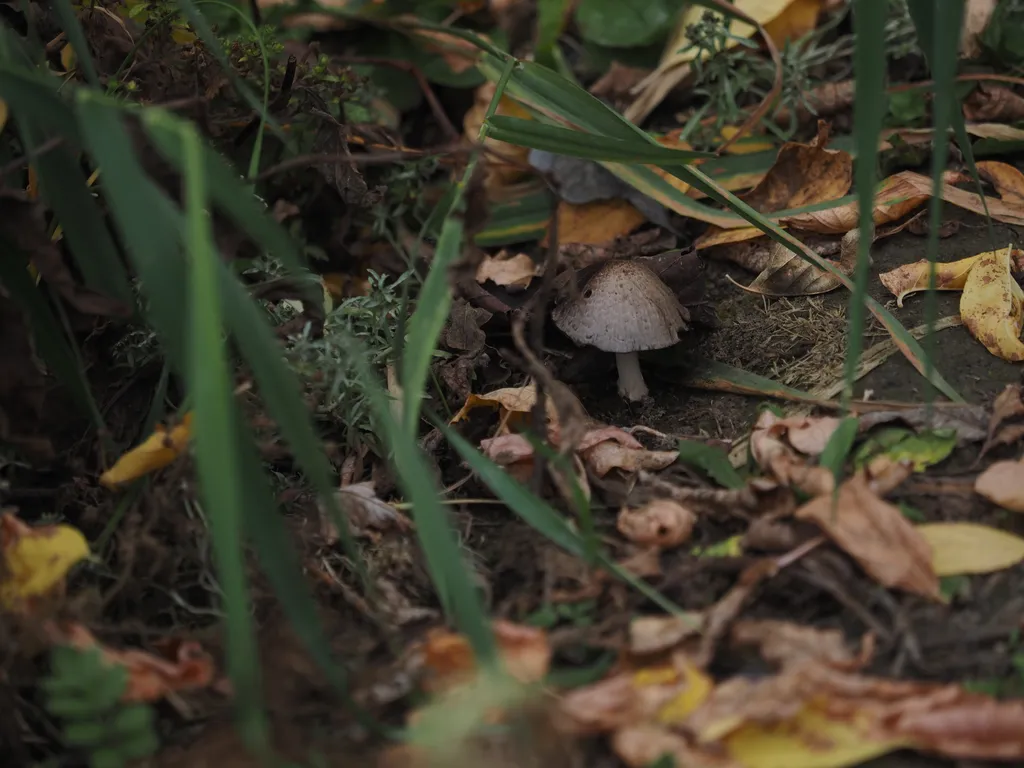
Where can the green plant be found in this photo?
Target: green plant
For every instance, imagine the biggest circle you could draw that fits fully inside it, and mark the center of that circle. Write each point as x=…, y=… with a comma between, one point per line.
x=84, y=693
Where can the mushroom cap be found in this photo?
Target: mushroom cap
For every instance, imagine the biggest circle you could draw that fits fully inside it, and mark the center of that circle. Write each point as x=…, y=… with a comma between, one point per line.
x=623, y=307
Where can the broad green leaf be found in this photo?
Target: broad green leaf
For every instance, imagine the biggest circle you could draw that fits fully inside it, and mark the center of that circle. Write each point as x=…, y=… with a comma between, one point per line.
x=619, y=24
x=713, y=460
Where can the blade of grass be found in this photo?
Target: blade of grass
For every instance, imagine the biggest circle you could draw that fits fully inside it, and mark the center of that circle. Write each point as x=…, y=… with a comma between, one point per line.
x=939, y=30
x=217, y=450
x=76, y=38
x=435, y=297
x=868, y=114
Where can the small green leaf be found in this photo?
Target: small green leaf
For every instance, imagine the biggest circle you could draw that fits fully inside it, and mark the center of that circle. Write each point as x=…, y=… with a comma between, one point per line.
x=713, y=460
x=618, y=24
x=923, y=449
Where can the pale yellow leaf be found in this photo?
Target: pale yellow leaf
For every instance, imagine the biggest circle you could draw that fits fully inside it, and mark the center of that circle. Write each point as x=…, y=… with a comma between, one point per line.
x=959, y=548
x=156, y=452
x=35, y=560
x=992, y=305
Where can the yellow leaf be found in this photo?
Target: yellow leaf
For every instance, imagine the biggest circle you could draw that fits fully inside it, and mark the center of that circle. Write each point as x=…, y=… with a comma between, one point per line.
x=35, y=560
x=910, y=278
x=158, y=450
x=810, y=740
x=183, y=36
x=959, y=548
x=510, y=400
x=67, y=57
x=992, y=305
x=596, y=222
x=1006, y=178
x=698, y=687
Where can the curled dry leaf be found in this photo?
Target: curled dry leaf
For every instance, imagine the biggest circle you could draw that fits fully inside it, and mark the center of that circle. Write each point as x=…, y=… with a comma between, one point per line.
x=156, y=452
x=182, y=665
x=1003, y=485
x=662, y=523
x=996, y=103
x=772, y=453
x=34, y=561
x=511, y=271
x=910, y=278
x=876, y=534
x=449, y=660
x=1005, y=425
x=364, y=511
x=959, y=548
x=1006, y=178
x=513, y=403
x=992, y=305
x=803, y=174
x=782, y=643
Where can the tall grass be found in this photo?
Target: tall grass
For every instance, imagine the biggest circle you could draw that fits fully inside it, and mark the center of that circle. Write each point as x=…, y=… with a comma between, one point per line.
x=196, y=304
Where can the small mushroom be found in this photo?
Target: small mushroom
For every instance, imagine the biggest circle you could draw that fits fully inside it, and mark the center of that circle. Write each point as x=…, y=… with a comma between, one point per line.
x=623, y=308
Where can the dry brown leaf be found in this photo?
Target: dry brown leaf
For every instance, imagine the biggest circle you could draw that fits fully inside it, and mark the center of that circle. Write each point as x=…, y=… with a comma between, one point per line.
x=597, y=222
x=1008, y=407
x=662, y=523
x=500, y=172
x=654, y=634
x=1007, y=179
x=992, y=305
x=910, y=278
x=511, y=271
x=774, y=455
x=995, y=103
x=789, y=274
x=321, y=22
x=616, y=84
x=514, y=403
x=876, y=534
x=1003, y=485
x=644, y=744
x=609, y=455
x=803, y=174
x=782, y=643
x=364, y=510
x=458, y=53
x=977, y=14
x=449, y=660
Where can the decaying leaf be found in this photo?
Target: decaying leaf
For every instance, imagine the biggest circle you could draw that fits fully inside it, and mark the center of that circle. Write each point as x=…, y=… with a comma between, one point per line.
x=662, y=523
x=513, y=271
x=959, y=548
x=654, y=634
x=772, y=452
x=992, y=305
x=182, y=665
x=1006, y=178
x=512, y=402
x=1003, y=485
x=994, y=102
x=35, y=560
x=790, y=274
x=156, y=452
x=1006, y=425
x=803, y=174
x=365, y=511
x=910, y=278
x=876, y=534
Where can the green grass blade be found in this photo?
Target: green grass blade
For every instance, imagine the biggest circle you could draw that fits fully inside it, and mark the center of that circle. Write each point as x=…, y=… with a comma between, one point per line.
x=833, y=457
x=565, y=141
x=551, y=18
x=218, y=460
x=939, y=32
x=445, y=561
x=75, y=36
x=868, y=113
x=712, y=460
x=51, y=341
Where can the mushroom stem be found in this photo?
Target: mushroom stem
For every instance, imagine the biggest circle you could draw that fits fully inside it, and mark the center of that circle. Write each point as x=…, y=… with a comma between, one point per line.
x=631, y=381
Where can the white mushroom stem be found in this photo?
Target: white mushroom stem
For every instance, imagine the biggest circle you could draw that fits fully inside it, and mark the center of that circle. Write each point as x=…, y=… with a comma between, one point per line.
x=631, y=381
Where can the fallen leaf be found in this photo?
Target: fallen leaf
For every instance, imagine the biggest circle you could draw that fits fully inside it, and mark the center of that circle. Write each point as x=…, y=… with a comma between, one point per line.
x=910, y=278
x=876, y=534
x=35, y=560
x=992, y=305
x=977, y=14
x=803, y=174
x=1007, y=179
x=605, y=456
x=182, y=666
x=789, y=274
x=511, y=271
x=156, y=452
x=596, y=222
x=654, y=634
x=1003, y=485
x=996, y=103
x=449, y=660
x=1005, y=426
x=772, y=453
x=458, y=53
x=968, y=421
x=782, y=643
x=922, y=449
x=960, y=548
x=662, y=523
x=364, y=510
x=505, y=163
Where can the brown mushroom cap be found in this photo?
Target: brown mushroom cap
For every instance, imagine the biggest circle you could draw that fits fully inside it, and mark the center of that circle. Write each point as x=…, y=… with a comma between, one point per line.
x=623, y=307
